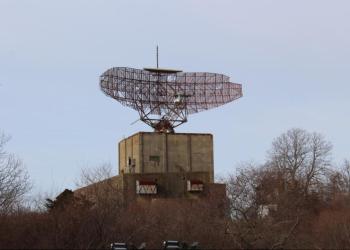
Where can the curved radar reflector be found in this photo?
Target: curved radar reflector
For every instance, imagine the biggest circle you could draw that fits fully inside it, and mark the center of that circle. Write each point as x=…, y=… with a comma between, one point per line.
x=164, y=97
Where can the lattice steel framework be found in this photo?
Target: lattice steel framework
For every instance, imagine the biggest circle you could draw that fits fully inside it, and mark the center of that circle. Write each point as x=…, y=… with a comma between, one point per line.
x=164, y=98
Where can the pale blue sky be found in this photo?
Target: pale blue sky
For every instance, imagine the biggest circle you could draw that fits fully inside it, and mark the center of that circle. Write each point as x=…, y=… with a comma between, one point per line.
x=292, y=58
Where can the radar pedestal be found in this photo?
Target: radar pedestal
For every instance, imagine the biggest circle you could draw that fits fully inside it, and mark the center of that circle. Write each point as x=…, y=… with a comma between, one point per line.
x=168, y=165
x=163, y=153
x=155, y=166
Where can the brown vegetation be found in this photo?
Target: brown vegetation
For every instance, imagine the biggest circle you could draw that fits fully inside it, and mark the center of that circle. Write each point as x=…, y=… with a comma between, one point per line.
x=294, y=200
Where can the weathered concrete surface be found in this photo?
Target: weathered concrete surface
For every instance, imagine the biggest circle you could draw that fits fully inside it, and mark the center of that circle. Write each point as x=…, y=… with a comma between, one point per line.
x=169, y=186
x=148, y=152
x=168, y=161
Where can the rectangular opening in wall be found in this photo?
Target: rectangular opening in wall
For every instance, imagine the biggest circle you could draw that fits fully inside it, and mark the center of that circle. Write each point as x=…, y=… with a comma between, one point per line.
x=154, y=158
x=146, y=187
x=195, y=186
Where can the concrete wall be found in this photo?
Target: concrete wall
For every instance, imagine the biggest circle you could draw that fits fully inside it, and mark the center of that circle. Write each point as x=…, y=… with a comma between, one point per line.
x=100, y=188
x=169, y=185
x=179, y=153
x=169, y=160
x=202, y=155
x=153, y=153
x=129, y=150
x=149, y=152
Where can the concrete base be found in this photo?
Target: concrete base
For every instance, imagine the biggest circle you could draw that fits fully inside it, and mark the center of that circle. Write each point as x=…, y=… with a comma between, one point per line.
x=151, y=152
x=162, y=166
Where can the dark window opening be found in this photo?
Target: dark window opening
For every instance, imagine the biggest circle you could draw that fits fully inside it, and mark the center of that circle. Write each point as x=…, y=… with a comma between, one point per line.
x=155, y=158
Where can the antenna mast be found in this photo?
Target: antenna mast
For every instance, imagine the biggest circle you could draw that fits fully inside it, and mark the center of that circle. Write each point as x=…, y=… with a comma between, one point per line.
x=157, y=57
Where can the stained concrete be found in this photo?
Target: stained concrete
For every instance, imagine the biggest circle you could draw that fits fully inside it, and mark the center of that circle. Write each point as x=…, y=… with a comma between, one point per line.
x=150, y=152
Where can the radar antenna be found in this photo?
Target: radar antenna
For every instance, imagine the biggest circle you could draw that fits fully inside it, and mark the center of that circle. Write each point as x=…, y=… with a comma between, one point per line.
x=165, y=97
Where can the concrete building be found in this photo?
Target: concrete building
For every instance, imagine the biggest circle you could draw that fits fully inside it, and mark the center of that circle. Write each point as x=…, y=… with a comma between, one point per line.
x=148, y=152
x=165, y=165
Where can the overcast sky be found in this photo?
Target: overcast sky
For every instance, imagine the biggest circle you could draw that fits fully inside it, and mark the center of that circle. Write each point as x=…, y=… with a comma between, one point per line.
x=292, y=58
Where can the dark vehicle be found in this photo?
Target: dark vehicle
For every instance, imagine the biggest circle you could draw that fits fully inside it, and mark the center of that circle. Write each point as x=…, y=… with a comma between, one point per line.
x=171, y=244
x=119, y=246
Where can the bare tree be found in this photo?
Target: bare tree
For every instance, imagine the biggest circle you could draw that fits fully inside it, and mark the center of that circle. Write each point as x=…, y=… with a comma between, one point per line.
x=345, y=176
x=301, y=156
x=89, y=176
x=270, y=203
x=14, y=179
x=241, y=191
x=339, y=180
x=100, y=188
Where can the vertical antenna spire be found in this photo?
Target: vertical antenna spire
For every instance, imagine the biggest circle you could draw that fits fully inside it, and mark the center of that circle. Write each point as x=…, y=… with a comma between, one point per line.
x=157, y=57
